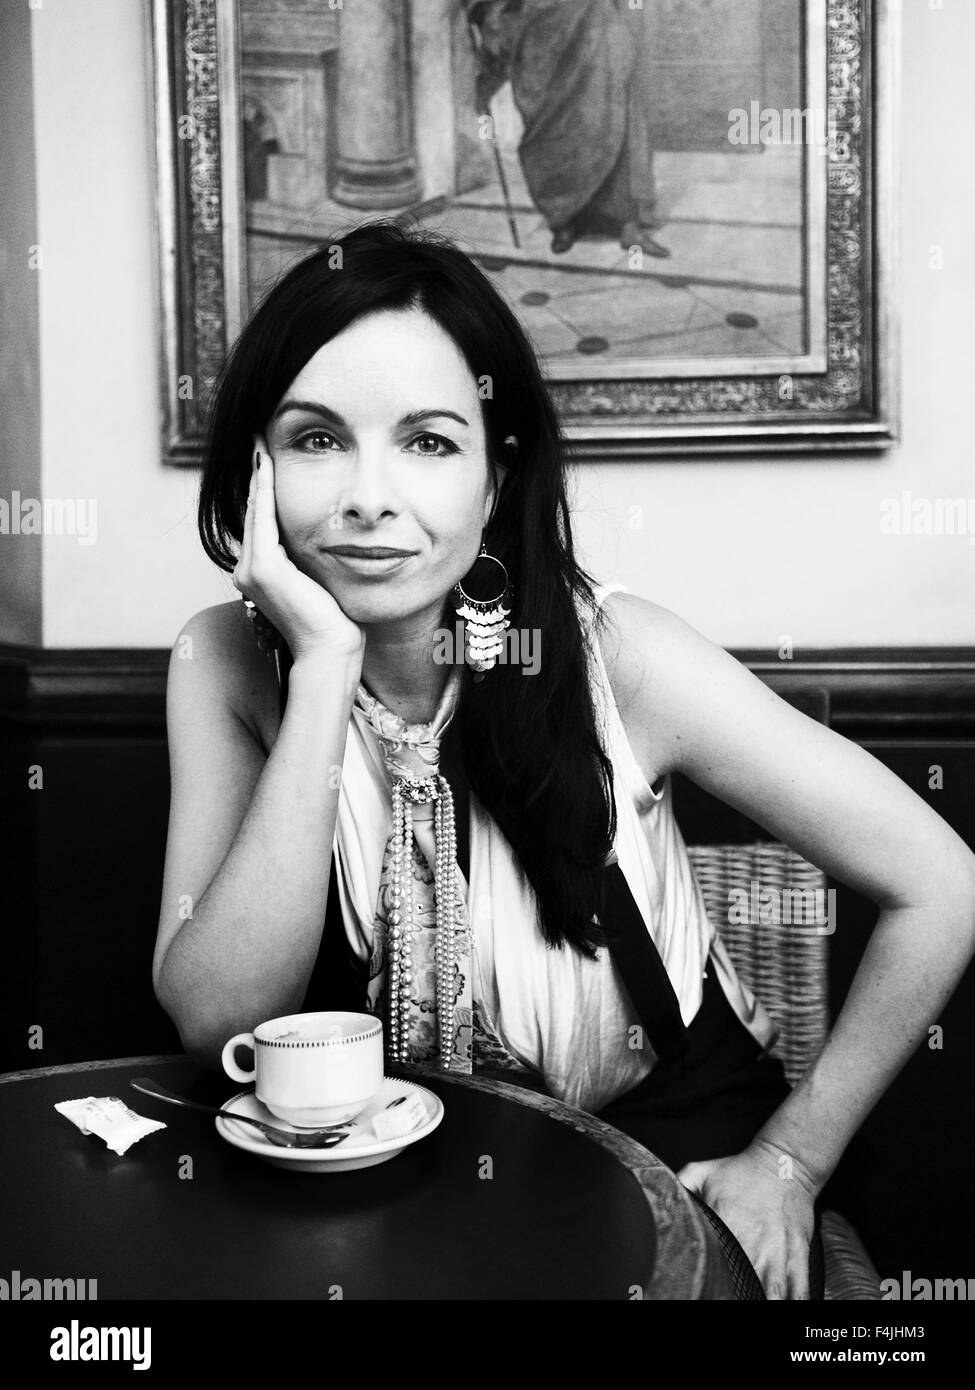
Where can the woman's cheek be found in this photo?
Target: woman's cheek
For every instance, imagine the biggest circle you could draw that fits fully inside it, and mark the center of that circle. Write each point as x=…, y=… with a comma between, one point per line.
x=306, y=518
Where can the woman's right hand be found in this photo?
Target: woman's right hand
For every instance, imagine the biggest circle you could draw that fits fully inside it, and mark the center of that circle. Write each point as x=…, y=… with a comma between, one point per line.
x=303, y=611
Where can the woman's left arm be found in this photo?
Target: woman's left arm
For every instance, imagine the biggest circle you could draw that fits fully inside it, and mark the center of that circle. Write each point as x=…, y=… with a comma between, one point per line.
x=845, y=812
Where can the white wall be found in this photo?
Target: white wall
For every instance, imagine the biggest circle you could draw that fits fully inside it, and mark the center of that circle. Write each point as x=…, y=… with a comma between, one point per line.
x=747, y=551
x=100, y=431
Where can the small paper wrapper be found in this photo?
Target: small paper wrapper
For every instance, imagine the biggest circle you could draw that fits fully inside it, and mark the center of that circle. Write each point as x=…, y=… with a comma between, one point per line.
x=109, y=1118
x=402, y=1119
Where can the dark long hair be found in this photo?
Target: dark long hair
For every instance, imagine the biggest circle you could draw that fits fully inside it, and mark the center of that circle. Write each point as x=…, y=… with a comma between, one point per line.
x=529, y=743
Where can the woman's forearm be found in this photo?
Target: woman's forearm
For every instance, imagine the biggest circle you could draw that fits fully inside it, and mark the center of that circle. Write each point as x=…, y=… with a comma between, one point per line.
x=249, y=948
x=912, y=962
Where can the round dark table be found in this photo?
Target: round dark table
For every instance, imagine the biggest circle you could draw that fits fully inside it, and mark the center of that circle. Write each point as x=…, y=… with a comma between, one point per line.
x=514, y=1196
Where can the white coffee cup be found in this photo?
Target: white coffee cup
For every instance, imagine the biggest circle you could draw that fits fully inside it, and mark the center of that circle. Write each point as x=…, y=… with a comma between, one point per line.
x=313, y=1069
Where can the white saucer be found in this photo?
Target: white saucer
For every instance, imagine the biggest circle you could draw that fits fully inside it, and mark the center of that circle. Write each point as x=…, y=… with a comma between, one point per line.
x=360, y=1150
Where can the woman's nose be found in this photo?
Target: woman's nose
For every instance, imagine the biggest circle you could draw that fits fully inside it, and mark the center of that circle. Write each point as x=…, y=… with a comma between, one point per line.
x=369, y=493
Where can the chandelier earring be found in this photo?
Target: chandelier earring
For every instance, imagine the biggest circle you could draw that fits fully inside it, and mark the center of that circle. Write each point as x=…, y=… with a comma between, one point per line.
x=483, y=599
x=268, y=637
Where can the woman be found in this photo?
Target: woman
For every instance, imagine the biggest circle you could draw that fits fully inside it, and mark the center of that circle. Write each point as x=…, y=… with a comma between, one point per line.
x=392, y=400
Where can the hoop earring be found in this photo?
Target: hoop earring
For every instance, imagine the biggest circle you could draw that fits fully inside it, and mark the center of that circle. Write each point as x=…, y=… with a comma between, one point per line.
x=485, y=611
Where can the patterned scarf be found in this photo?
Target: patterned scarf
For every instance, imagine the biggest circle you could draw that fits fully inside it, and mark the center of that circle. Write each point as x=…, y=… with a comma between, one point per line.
x=420, y=971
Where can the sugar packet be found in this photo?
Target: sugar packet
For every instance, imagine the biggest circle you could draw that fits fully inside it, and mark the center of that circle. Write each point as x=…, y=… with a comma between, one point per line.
x=402, y=1119
x=109, y=1118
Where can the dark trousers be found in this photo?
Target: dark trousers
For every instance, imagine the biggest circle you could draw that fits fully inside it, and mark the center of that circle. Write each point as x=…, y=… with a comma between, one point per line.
x=711, y=1104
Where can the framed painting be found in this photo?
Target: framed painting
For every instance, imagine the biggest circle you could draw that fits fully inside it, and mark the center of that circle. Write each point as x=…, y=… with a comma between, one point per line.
x=690, y=204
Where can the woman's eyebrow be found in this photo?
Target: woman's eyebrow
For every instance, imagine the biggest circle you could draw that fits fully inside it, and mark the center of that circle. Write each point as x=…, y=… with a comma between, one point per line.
x=412, y=417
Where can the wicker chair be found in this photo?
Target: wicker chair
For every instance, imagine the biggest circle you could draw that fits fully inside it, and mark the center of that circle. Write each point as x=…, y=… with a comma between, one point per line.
x=784, y=962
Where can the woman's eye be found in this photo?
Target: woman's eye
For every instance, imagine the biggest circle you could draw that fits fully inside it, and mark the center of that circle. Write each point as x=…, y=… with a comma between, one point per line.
x=304, y=440
x=442, y=446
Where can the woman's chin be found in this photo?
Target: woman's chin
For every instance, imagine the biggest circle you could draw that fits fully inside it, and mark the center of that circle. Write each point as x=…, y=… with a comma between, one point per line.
x=372, y=600
x=374, y=607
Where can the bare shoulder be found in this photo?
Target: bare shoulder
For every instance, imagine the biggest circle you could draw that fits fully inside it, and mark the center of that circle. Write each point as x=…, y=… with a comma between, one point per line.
x=216, y=657
x=633, y=621
x=645, y=647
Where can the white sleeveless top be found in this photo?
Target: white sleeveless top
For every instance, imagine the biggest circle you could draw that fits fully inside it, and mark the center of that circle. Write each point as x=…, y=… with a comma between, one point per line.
x=556, y=1012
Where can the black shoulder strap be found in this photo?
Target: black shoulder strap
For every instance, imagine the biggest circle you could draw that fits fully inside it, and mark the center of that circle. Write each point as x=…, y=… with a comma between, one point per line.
x=338, y=980
x=636, y=957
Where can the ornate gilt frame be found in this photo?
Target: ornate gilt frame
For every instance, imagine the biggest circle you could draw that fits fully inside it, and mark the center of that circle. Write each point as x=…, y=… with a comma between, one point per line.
x=852, y=404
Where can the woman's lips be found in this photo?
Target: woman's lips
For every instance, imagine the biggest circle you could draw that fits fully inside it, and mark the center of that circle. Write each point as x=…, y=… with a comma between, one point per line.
x=364, y=563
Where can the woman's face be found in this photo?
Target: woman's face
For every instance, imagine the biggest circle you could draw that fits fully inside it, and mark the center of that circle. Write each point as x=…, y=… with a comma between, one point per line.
x=379, y=442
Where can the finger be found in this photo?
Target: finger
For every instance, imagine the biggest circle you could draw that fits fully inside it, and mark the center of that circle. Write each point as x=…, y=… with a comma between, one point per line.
x=265, y=514
x=692, y=1175
x=798, y=1270
x=772, y=1267
x=773, y=1279
x=243, y=570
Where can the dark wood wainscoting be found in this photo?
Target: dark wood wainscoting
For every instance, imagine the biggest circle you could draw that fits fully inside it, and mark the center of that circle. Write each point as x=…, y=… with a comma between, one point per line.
x=84, y=873
x=86, y=853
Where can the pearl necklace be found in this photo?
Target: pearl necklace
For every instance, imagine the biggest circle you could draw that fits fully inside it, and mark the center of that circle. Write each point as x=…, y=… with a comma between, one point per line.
x=407, y=792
